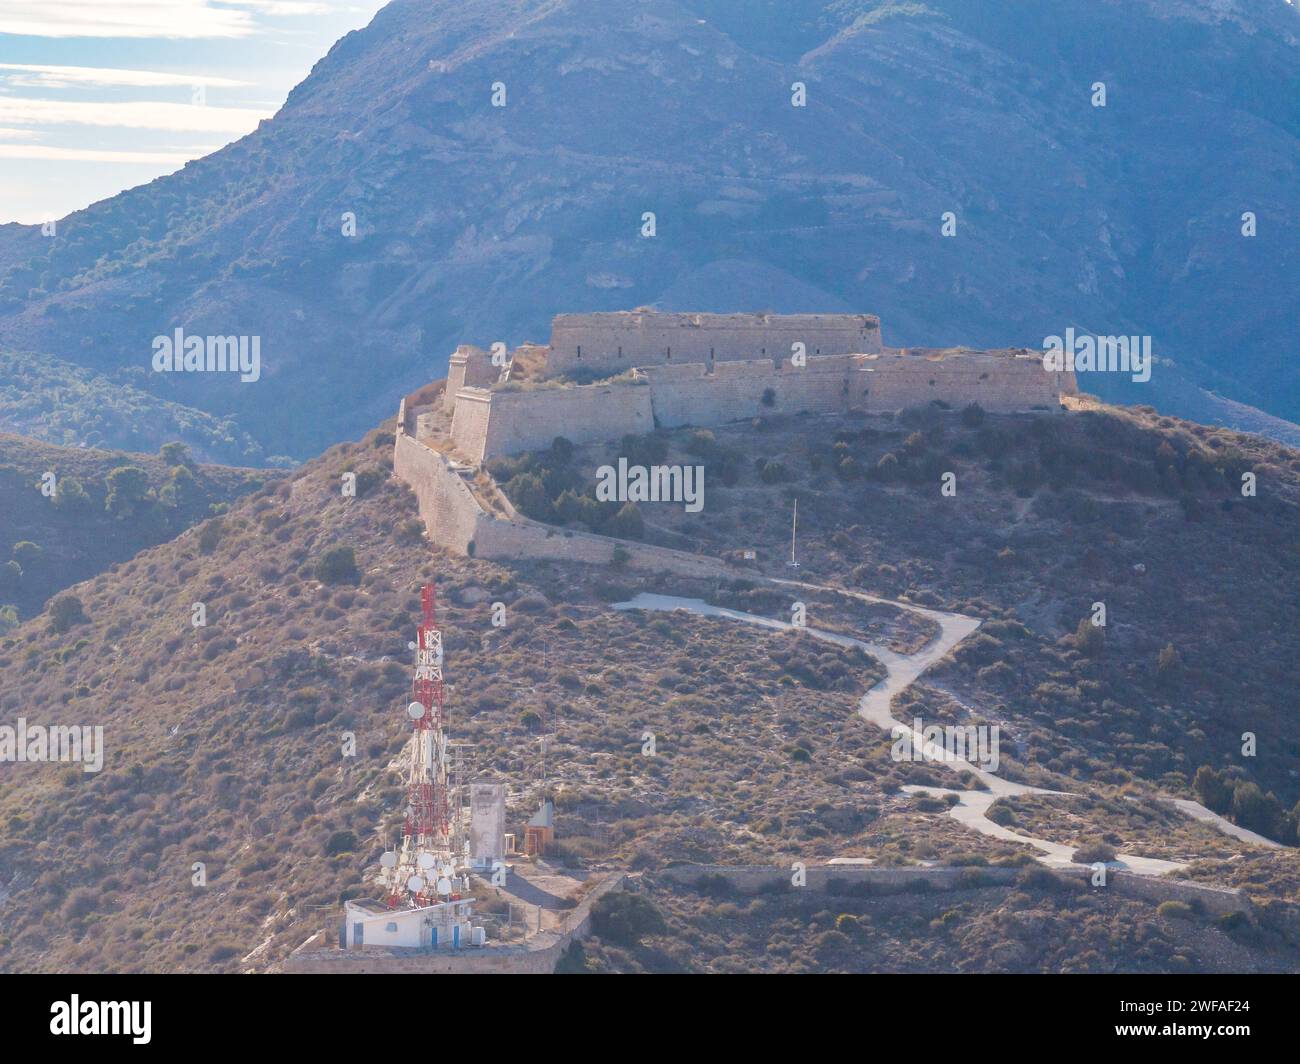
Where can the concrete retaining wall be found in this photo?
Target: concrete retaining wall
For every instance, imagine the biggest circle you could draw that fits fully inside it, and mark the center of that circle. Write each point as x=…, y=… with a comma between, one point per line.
x=752, y=880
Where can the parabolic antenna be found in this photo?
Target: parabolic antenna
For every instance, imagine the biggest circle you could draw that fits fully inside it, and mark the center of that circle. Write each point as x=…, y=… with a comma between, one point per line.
x=426, y=860
x=388, y=859
x=444, y=885
x=415, y=711
x=415, y=884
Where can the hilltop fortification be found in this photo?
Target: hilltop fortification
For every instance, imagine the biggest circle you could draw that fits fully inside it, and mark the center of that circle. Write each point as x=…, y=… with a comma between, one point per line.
x=615, y=342
x=605, y=375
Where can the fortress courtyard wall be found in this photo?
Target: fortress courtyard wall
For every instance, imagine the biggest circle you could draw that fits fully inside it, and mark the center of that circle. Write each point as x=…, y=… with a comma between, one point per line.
x=612, y=342
x=734, y=391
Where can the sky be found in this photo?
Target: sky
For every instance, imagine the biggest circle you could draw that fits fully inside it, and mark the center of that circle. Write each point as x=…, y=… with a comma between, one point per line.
x=97, y=96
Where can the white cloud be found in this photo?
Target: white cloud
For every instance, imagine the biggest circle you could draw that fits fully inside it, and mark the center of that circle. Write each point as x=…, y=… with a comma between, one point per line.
x=193, y=19
x=33, y=75
x=190, y=118
x=286, y=8
x=91, y=155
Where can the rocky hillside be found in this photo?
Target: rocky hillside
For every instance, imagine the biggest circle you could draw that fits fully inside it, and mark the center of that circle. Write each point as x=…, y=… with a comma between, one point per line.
x=479, y=222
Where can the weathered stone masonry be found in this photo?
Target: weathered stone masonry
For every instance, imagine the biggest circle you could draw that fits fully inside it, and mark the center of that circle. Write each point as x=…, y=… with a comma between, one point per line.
x=618, y=341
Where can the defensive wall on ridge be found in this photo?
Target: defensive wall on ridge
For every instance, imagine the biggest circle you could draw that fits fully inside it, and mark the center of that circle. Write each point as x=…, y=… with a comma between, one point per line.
x=457, y=519
x=491, y=422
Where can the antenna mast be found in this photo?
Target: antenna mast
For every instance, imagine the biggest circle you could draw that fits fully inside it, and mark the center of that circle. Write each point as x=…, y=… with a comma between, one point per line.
x=426, y=852
x=794, y=525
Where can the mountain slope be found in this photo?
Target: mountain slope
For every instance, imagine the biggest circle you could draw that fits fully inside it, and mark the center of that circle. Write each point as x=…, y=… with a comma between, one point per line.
x=480, y=222
x=225, y=744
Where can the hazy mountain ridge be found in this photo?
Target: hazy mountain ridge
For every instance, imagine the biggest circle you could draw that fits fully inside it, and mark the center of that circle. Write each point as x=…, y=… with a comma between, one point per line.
x=478, y=223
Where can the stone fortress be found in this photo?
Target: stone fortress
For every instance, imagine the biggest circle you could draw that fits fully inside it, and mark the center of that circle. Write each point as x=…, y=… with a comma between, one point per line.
x=605, y=375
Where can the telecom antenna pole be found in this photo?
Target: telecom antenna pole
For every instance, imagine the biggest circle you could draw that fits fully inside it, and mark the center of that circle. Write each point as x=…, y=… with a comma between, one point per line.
x=426, y=836
x=794, y=525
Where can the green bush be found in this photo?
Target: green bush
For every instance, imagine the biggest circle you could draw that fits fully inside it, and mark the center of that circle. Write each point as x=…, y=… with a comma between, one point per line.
x=624, y=919
x=65, y=612
x=338, y=565
x=340, y=842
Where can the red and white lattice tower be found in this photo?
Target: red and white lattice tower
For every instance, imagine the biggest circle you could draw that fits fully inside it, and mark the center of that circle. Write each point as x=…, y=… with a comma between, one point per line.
x=425, y=866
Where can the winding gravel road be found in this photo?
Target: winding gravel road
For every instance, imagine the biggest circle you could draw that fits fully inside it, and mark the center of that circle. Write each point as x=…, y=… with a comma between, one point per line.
x=901, y=671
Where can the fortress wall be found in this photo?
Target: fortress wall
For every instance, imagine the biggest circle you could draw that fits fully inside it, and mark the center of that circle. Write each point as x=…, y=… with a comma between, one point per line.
x=687, y=395
x=455, y=520
x=470, y=422
x=999, y=383
x=624, y=339
x=450, y=513
x=530, y=419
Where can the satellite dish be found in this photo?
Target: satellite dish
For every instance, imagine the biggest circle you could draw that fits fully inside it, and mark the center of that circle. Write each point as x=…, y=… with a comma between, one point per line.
x=415, y=884
x=426, y=860
x=444, y=885
x=415, y=711
x=388, y=859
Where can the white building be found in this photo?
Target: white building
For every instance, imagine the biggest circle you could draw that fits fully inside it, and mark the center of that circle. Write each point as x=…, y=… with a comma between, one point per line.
x=446, y=925
x=487, y=824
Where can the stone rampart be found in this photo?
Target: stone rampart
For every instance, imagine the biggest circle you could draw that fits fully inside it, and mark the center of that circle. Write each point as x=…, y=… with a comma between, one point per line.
x=490, y=423
x=735, y=391
x=455, y=519
x=624, y=339
x=1000, y=381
